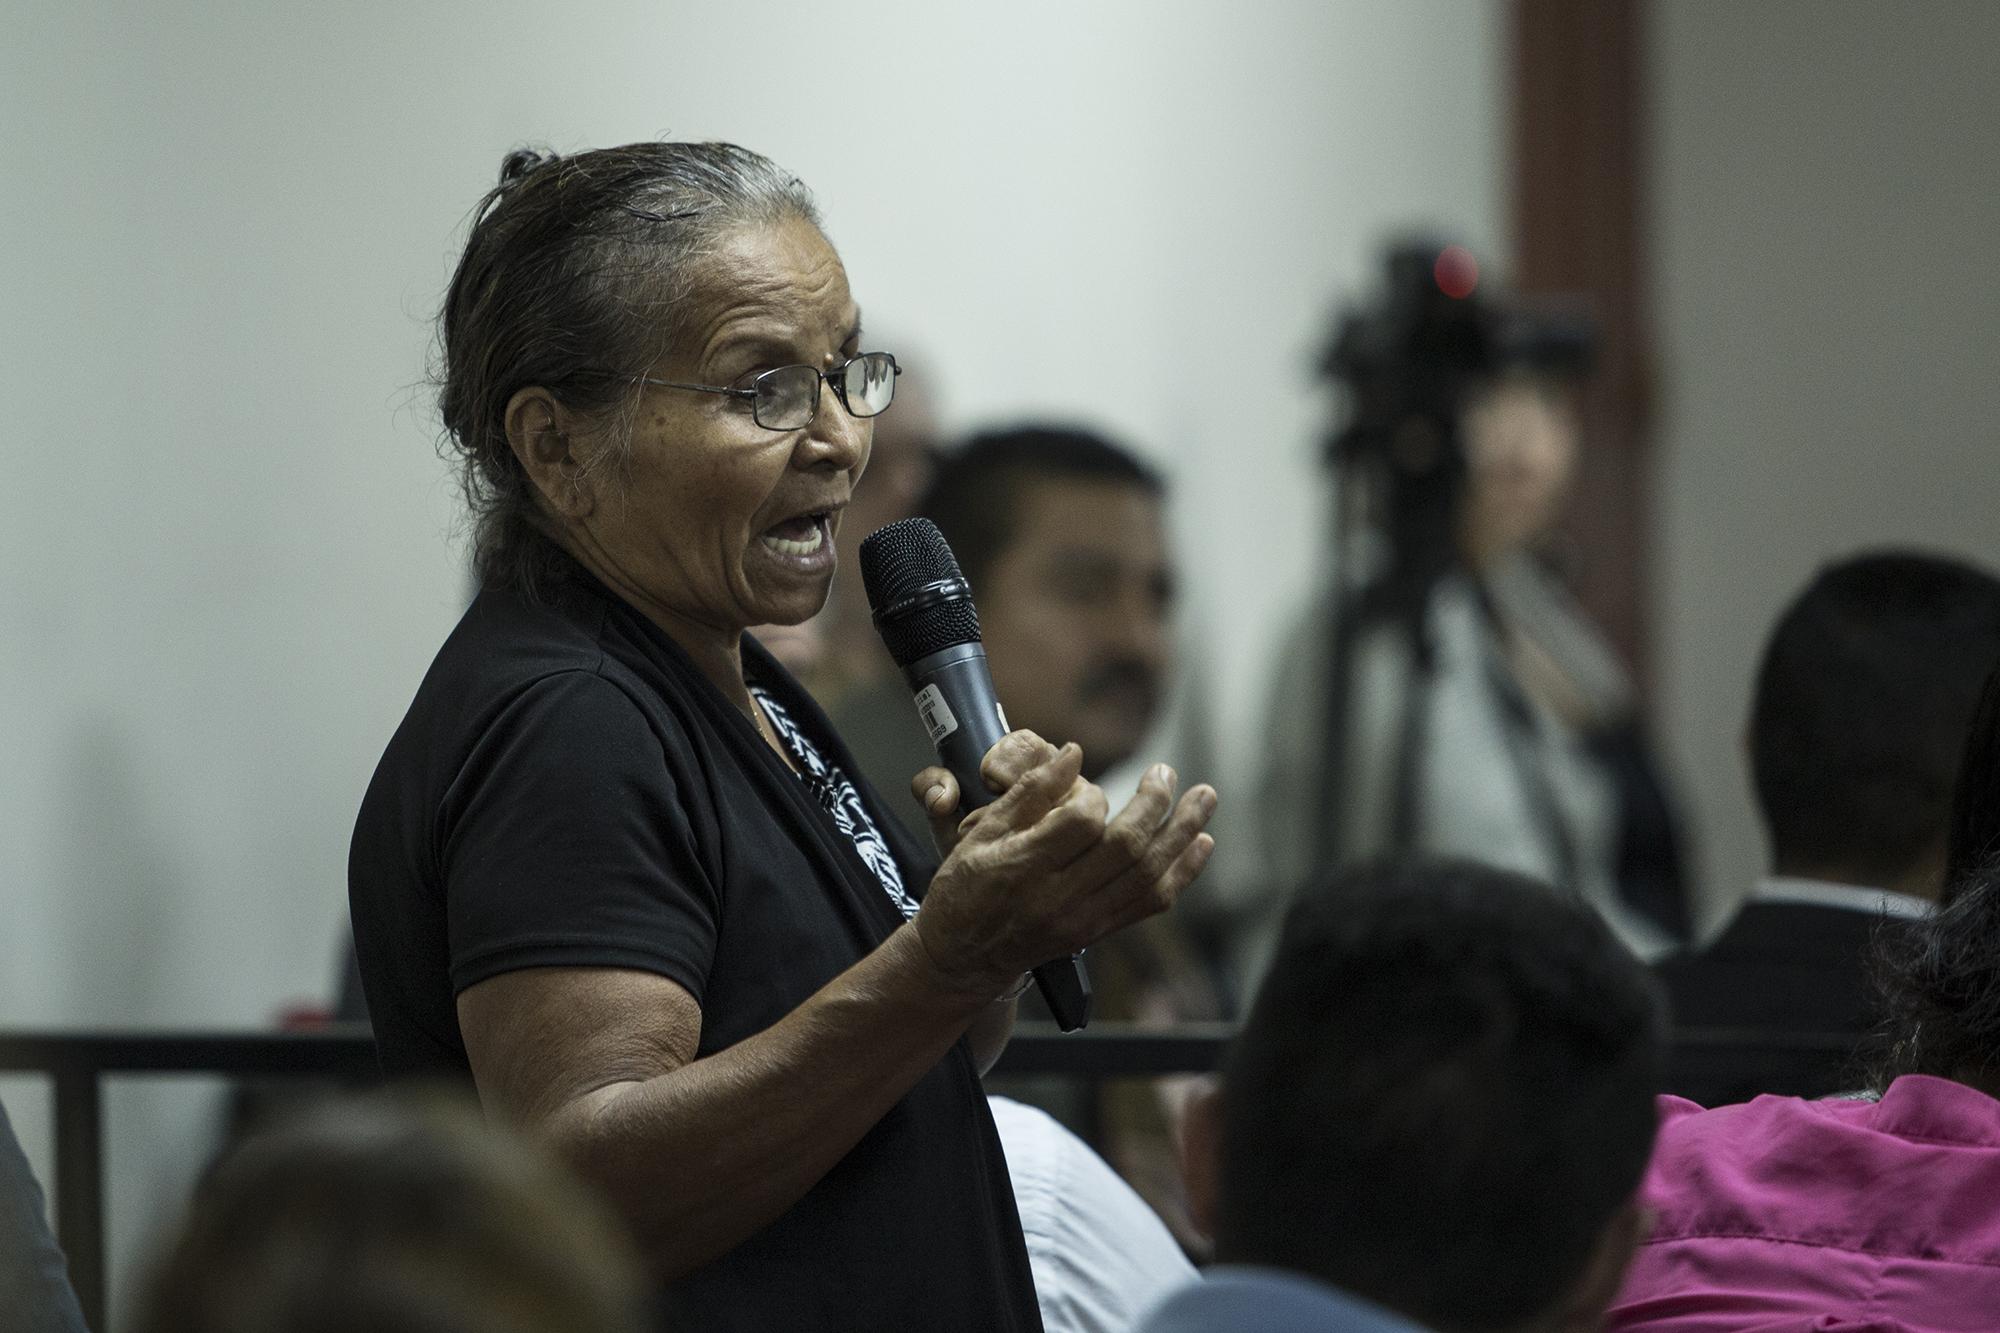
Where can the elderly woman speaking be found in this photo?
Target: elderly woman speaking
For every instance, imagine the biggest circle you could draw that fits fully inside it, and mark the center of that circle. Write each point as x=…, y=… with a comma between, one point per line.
x=615, y=863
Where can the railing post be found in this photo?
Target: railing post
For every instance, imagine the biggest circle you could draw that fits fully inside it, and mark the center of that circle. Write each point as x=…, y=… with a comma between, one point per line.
x=80, y=1185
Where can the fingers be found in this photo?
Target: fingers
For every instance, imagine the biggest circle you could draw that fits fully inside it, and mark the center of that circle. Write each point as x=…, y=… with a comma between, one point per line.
x=1183, y=831
x=1035, y=792
x=1136, y=871
x=936, y=790
x=1068, y=831
x=1012, y=757
x=1045, y=869
x=1185, y=827
x=1151, y=830
x=1164, y=892
x=987, y=910
x=1132, y=831
x=1127, y=838
x=1186, y=868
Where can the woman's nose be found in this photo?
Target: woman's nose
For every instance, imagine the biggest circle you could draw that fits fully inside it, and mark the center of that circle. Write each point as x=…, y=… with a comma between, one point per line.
x=837, y=438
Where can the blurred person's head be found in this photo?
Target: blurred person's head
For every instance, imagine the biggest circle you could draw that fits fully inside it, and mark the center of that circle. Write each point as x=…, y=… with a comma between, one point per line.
x=1859, y=716
x=1520, y=437
x=1973, y=838
x=397, y=1218
x=1062, y=535
x=1442, y=1101
x=1939, y=975
x=1939, y=980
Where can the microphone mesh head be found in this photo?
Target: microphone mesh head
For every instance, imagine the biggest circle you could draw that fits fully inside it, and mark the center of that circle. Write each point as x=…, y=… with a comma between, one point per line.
x=897, y=561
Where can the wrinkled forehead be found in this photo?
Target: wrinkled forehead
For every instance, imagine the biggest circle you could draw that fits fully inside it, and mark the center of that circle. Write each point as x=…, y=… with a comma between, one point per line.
x=779, y=284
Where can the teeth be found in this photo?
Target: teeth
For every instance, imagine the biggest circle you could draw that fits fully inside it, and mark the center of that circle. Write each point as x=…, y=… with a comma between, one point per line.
x=785, y=546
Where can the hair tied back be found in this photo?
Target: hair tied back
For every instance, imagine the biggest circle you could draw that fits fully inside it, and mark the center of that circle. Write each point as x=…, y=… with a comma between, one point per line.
x=519, y=163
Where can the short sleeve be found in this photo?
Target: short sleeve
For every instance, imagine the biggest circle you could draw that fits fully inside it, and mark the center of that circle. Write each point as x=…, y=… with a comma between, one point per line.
x=566, y=841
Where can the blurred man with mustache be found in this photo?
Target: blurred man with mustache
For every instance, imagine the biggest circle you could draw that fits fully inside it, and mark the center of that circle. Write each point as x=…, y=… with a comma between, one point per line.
x=1062, y=536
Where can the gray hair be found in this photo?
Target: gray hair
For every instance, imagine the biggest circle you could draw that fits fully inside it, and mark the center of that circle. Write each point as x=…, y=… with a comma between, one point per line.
x=576, y=277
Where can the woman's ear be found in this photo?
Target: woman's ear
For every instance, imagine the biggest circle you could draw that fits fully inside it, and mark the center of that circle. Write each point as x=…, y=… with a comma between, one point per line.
x=539, y=432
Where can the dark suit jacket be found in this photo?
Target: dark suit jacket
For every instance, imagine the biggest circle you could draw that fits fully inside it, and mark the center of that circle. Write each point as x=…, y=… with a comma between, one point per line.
x=1790, y=981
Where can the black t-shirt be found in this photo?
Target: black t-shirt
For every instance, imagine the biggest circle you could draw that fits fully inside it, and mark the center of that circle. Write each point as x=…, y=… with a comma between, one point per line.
x=568, y=790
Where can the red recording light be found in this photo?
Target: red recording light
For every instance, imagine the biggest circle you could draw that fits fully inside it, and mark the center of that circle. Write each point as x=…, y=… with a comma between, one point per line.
x=1456, y=271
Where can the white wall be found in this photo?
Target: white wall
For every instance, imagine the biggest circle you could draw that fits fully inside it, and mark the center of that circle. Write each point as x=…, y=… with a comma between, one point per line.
x=1825, y=201
x=226, y=540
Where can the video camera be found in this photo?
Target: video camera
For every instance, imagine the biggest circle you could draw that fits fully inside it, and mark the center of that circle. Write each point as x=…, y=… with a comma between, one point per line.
x=1409, y=366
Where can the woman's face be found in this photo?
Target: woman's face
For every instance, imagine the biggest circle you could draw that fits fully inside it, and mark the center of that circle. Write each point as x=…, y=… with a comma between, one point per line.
x=1520, y=444
x=718, y=523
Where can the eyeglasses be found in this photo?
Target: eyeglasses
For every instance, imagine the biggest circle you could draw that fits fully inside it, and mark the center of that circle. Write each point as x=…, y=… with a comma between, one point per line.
x=788, y=398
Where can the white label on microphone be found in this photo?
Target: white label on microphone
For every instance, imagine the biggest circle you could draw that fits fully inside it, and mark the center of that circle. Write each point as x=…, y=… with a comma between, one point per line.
x=1001, y=713
x=936, y=713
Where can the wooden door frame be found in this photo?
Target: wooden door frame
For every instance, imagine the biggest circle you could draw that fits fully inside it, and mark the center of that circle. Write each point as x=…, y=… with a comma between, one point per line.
x=1578, y=174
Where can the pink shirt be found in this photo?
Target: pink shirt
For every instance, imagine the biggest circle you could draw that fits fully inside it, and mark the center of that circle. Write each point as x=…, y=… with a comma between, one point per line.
x=1785, y=1215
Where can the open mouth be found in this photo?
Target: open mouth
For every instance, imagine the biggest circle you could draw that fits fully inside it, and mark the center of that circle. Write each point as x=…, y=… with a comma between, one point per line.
x=805, y=535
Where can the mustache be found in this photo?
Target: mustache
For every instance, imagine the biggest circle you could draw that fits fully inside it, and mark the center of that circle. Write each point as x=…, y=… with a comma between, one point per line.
x=1119, y=676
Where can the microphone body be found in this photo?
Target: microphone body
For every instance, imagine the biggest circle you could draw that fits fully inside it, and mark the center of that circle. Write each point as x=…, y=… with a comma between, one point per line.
x=954, y=696
x=924, y=611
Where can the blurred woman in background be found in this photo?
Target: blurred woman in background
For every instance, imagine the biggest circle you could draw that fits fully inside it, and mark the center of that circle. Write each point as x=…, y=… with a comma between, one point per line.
x=1514, y=738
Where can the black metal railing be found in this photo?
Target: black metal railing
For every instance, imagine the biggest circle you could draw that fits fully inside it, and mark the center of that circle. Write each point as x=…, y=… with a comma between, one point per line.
x=78, y=1063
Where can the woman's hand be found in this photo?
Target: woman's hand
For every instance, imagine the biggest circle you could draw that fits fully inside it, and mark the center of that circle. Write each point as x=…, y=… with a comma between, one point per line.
x=1045, y=871
x=936, y=788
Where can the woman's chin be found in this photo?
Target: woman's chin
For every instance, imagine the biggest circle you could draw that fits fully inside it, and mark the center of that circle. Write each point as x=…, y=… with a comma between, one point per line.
x=792, y=605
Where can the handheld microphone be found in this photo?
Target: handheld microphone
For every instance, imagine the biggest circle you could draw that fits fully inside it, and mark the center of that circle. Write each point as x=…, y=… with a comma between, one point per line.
x=923, y=610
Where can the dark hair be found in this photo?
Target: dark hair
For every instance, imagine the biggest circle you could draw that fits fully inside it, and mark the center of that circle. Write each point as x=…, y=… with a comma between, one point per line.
x=575, y=277
x=395, y=1217
x=1860, y=711
x=1939, y=975
x=1443, y=1093
x=1939, y=981
x=975, y=492
x=1973, y=836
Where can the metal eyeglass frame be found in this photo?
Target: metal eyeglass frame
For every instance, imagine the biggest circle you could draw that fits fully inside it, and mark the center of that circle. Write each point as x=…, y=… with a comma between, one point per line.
x=826, y=379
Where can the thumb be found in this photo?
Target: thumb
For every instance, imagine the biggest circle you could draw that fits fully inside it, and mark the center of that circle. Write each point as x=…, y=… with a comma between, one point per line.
x=936, y=790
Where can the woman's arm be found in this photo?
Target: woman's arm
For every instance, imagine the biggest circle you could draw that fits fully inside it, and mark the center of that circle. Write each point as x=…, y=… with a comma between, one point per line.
x=701, y=1154
x=990, y=1032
